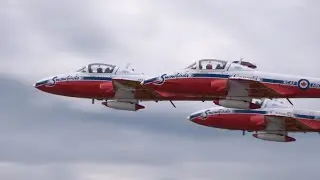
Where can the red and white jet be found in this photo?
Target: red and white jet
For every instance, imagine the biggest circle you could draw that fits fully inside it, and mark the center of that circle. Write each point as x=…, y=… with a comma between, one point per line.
x=231, y=84
x=272, y=121
x=98, y=81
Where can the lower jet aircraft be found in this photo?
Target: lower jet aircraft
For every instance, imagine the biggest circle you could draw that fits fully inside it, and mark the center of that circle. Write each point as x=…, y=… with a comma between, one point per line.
x=231, y=84
x=271, y=122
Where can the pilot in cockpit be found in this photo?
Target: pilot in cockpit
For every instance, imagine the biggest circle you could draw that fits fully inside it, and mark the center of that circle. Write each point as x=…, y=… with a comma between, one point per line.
x=209, y=66
x=108, y=70
x=219, y=66
x=99, y=70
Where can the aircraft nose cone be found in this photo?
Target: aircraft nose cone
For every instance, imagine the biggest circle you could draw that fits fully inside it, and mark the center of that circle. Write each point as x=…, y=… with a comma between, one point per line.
x=44, y=82
x=39, y=83
x=192, y=117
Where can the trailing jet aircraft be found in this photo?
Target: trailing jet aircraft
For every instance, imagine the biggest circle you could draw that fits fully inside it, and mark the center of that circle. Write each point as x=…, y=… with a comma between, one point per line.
x=272, y=121
x=231, y=84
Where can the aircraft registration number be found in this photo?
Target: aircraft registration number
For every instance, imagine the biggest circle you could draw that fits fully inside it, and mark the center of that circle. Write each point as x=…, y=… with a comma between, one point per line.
x=290, y=82
x=315, y=85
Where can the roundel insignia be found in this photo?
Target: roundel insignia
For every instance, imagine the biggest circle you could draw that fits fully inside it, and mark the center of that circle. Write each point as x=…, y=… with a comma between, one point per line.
x=303, y=84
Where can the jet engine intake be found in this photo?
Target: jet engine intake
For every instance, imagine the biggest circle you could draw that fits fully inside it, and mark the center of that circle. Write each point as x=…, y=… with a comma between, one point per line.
x=273, y=137
x=258, y=121
x=219, y=85
x=236, y=104
x=119, y=105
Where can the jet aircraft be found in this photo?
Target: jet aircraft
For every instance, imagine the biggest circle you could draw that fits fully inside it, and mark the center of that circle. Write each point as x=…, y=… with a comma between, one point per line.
x=98, y=81
x=272, y=121
x=231, y=84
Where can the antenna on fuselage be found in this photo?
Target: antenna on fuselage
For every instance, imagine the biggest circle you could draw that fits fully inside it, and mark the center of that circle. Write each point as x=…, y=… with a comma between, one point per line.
x=240, y=61
x=289, y=101
x=172, y=104
x=128, y=65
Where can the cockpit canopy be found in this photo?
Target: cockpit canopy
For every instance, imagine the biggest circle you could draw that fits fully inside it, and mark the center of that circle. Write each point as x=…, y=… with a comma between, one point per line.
x=216, y=65
x=246, y=63
x=268, y=103
x=208, y=64
x=99, y=68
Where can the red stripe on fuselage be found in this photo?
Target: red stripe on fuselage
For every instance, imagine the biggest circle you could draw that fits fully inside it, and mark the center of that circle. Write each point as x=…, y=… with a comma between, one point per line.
x=230, y=121
x=198, y=86
x=250, y=122
x=294, y=91
x=80, y=89
x=203, y=87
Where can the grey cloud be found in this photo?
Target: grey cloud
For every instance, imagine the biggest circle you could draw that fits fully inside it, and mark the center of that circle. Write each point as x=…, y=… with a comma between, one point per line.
x=186, y=171
x=266, y=32
x=70, y=26
x=66, y=26
x=16, y=171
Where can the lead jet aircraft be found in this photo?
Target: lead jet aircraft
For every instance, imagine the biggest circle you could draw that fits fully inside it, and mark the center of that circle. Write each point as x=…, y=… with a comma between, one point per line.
x=231, y=84
x=118, y=88
x=98, y=81
x=272, y=121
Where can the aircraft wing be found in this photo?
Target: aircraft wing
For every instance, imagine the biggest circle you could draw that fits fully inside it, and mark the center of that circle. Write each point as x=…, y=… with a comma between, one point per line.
x=246, y=87
x=122, y=83
x=277, y=124
x=132, y=88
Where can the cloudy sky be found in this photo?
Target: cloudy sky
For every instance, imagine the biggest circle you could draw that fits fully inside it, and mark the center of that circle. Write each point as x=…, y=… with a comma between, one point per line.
x=44, y=136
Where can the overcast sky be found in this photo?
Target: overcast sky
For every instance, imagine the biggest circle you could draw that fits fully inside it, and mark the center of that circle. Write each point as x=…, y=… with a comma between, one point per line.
x=44, y=136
